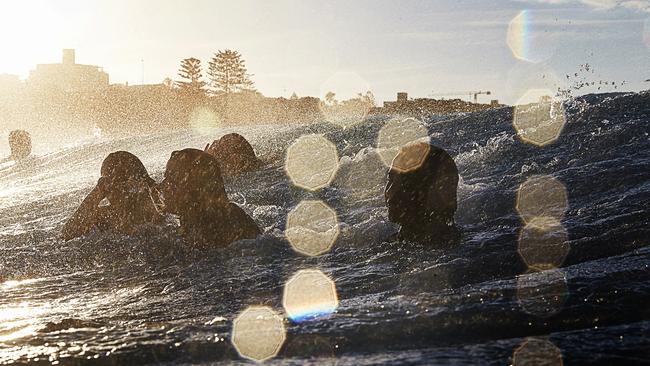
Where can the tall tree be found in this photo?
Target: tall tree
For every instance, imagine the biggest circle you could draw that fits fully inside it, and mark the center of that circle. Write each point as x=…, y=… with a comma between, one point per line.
x=228, y=74
x=190, y=73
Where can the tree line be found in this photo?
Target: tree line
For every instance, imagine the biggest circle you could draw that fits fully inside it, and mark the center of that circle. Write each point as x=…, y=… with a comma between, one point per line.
x=174, y=103
x=226, y=74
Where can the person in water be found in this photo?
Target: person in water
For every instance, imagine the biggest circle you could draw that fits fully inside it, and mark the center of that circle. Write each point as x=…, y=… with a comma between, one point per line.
x=422, y=200
x=127, y=191
x=234, y=154
x=20, y=145
x=193, y=189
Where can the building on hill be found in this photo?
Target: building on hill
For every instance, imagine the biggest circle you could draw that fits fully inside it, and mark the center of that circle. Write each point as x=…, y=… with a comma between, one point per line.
x=68, y=76
x=424, y=106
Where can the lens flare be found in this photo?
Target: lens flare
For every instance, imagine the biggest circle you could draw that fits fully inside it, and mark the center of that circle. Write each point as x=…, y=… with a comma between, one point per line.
x=346, y=113
x=362, y=178
x=309, y=294
x=312, y=228
x=203, y=118
x=543, y=243
x=542, y=196
x=312, y=162
x=527, y=82
x=542, y=294
x=345, y=98
x=395, y=136
x=527, y=39
x=539, y=123
x=537, y=351
x=258, y=333
x=517, y=34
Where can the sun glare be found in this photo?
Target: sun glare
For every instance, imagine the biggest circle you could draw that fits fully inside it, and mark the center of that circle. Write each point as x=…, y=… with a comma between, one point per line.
x=31, y=32
x=319, y=182
x=19, y=321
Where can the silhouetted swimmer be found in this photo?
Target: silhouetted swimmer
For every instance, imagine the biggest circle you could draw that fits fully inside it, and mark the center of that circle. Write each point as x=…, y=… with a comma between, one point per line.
x=129, y=193
x=193, y=189
x=235, y=154
x=423, y=200
x=20, y=144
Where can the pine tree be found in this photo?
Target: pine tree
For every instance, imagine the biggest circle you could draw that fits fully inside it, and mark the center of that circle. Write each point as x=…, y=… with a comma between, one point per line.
x=228, y=74
x=190, y=72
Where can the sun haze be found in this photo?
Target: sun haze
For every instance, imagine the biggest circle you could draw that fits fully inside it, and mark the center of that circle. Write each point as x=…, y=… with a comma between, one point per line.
x=300, y=46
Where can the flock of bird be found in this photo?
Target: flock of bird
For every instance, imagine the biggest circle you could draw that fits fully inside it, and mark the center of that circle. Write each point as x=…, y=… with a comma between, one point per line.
x=581, y=80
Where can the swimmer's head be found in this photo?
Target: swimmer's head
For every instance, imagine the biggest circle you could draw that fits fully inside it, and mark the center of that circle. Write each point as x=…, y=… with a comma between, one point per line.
x=234, y=153
x=124, y=177
x=192, y=181
x=20, y=144
x=232, y=141
x=424, y=197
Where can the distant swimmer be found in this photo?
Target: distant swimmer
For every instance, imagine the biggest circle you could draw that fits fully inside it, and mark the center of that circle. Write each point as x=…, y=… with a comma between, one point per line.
x=20, y=144
x=193, y=189
x=127, y=191
x=423, y=200
x=235, y=155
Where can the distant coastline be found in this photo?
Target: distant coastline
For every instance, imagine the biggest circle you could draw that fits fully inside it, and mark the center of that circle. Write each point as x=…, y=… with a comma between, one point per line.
x=67, y=96
x=147, y=108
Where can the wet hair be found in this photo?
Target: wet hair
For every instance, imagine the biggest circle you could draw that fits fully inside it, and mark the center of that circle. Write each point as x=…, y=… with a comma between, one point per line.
x=121, y=166
x=195, y=177
x=424, y=198
x=20, y=143
x=193, y=188
x=234, y=154
x=127, y=187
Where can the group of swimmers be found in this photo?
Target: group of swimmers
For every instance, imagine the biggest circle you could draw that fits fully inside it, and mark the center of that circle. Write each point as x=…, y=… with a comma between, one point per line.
x=421, y=200
x=192, y=188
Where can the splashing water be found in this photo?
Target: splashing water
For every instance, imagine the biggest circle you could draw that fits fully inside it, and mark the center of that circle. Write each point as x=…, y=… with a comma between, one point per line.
x=150, y=299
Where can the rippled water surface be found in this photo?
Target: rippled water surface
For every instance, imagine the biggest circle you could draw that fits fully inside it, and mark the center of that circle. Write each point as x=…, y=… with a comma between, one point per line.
x=148, y=299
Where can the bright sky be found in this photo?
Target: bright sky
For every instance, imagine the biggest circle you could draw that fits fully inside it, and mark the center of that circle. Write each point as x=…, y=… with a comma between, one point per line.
x=310, y=46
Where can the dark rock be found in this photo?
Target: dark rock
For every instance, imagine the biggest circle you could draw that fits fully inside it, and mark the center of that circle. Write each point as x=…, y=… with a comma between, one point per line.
x=235, y=155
